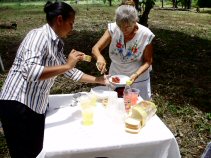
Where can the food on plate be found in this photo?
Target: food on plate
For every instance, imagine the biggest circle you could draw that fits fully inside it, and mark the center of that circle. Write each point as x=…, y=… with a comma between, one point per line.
x=132, y=125
x=105, y=101
x=115, y=79
x=87, y=58
x=102, y=94
x=118, y=80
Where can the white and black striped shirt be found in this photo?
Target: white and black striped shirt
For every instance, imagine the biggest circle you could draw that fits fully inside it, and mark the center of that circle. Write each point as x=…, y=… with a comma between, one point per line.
x=39, y=48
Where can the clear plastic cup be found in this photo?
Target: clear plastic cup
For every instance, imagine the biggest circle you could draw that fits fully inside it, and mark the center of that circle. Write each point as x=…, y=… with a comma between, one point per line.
x=133, y=94
x=87, y=104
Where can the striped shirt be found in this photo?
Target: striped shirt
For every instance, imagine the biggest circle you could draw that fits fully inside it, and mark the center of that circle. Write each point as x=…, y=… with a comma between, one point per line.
x=41, y=47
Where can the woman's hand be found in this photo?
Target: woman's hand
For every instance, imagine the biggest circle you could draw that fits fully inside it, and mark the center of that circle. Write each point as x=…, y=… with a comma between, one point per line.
x=101, y=64
x=133, y=77
x=98, y=47
x=103, y=80
x=73, y=57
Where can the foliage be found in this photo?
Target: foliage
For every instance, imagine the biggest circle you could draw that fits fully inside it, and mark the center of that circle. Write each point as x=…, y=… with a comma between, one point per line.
x=4, y=153
x=186, y=4
x=204, y=3
x=147, y=3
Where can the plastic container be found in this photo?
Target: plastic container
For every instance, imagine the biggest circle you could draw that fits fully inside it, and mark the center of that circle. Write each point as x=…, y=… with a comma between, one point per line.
x=143, y=111
x=133, y=94
x=126, y=96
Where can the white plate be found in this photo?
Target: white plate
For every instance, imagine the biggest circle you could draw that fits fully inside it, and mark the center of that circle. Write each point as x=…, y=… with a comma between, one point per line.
x=122, y=78
x=102, y=92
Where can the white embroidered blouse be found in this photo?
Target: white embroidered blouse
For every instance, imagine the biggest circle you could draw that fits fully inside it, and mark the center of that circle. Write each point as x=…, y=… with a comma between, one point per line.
x=128, y=57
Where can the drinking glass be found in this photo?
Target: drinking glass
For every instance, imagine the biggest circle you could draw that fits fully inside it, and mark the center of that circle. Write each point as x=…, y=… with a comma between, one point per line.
x=133, y=95
x=87, y=104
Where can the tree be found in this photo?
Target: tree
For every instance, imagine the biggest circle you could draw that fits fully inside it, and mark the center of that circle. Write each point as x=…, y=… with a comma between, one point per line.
x=142, y=6
x=147, y=5
x=187, y=3
x=204, y=3
x=174, y=3
x=110, y=4
x=162, y=3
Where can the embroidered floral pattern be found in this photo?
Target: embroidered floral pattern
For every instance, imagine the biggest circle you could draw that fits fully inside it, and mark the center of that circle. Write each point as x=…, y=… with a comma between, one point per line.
x=132, y=51
x=119, y=45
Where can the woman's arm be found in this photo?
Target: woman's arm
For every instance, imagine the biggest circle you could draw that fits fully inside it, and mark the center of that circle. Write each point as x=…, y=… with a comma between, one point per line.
x=92, y=79
x=53, y=71
x=148, y=51
x=73, y=58
x=98, y=47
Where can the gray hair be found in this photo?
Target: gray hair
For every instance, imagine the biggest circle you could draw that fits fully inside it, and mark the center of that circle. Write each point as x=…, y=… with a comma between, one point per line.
x=126, y=14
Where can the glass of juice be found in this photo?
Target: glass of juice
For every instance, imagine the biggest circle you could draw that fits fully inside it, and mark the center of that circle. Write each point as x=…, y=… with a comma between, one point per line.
x=87, y=110
x=133, y=95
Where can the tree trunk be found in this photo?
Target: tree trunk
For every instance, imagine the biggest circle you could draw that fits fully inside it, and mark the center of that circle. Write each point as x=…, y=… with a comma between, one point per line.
x=110, y=2
x=162, y=3
x=148, y=5
x=144, y=17
x=189, y=3
x=174, y=3
x=136, y=4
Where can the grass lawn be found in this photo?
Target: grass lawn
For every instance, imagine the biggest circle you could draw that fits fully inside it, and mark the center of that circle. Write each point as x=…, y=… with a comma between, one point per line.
x=181, y=68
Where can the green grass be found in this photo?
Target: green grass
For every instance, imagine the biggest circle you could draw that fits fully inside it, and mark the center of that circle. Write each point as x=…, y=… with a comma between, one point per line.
x=181, y=67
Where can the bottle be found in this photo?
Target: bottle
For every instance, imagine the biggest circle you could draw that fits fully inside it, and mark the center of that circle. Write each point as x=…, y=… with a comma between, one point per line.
x=127, y=99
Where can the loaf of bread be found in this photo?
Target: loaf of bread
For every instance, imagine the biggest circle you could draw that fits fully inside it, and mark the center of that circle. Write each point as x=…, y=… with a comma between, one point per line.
x=132, y=125
x=140, y=114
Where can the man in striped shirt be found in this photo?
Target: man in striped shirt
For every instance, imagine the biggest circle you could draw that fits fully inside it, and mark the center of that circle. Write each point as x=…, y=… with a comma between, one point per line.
x=24, y=95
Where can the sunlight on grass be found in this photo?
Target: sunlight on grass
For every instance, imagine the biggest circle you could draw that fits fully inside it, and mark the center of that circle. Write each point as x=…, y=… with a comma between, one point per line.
x=192, y=23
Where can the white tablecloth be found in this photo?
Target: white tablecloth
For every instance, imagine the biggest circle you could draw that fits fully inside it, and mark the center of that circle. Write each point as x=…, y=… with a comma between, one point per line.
x=66, y=137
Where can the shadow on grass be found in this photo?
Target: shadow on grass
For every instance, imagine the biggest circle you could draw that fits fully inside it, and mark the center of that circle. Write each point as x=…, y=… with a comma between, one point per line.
x=84, y=41
x=4, y=153
x=8, y=49
x=181, y=67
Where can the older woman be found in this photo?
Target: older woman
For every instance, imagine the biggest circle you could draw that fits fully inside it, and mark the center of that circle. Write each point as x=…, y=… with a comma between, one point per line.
x=130, y=49
x=24, y=95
